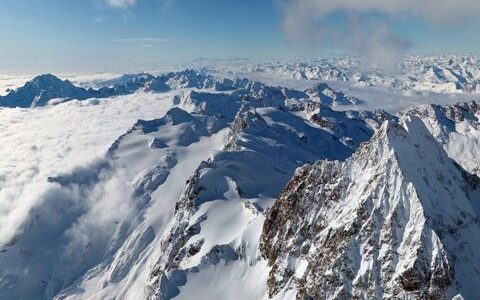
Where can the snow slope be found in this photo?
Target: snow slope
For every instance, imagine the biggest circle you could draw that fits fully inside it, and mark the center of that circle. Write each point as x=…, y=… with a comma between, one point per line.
x=456, y=127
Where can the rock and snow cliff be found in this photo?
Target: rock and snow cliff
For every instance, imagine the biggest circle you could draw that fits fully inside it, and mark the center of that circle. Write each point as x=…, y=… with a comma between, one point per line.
x=397, y=219
x=325, y=95
x=457, y=127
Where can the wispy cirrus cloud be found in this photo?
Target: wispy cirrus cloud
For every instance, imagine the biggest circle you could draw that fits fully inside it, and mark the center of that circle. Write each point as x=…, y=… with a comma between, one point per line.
x=141, y=40
x=121, y=3
x=130, y=3
x=99, y=19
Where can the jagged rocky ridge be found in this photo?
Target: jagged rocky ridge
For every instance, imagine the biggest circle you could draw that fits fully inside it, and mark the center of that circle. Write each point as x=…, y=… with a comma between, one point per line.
x=327, y=96
x=396, y=220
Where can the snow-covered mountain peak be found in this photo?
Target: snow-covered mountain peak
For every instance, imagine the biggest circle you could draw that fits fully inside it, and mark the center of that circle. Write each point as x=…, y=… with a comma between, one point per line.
x=326, y=95
x=47, y=80
x=41, y=89
x=389, y=221
x=188, y=78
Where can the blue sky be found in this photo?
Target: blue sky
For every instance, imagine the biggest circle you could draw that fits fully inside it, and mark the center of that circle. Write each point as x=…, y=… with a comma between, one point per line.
x=66, y=35
x=45, y=33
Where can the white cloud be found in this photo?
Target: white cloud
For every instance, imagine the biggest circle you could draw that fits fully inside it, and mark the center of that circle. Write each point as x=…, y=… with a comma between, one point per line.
x=121, y=3
x=438, y=11
x=38, y=149
x=164, y=4
x=99, y=19
x=306, y=22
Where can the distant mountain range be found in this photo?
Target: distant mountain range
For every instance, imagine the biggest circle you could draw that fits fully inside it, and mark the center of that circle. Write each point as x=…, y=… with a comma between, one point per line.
x=49, y=89
x=438, y=74
x=44, y=88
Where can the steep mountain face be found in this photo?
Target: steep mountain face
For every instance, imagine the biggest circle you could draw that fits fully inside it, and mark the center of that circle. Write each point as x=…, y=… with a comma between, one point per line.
x=130, y=83
x=346, y=126
x=230, y=84
x=189, y=79
x=274, y=94
x=457, y=128
x=397, y=219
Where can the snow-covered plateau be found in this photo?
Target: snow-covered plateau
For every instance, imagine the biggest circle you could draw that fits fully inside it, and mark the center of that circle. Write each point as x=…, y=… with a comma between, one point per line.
x=311, y=180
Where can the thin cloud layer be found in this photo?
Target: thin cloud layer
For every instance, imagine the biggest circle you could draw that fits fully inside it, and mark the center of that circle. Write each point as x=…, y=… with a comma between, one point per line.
x=121, y=3
x=140, y=40
x=435, y=11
